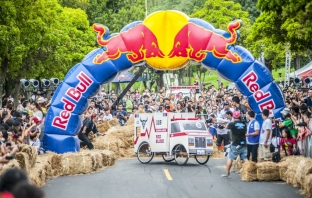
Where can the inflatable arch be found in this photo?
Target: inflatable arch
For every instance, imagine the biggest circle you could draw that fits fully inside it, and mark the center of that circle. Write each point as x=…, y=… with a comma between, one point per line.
x=165, y=40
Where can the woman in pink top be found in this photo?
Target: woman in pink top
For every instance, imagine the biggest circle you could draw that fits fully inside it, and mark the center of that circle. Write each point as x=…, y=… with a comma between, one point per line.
x=137, y=94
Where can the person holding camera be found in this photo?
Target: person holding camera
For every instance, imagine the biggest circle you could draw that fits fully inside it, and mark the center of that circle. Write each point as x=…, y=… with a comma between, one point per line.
x=252, y=136
x=121, y=115
x=238, y=146
x=222, y=133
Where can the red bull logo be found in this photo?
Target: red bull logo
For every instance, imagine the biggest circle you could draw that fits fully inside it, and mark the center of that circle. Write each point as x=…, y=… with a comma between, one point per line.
x=194, y=41
x=145, y=45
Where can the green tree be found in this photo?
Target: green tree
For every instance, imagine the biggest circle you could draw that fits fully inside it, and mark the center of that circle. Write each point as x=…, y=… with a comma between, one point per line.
x=44, y=40
x=249, y=6
x=220, y=13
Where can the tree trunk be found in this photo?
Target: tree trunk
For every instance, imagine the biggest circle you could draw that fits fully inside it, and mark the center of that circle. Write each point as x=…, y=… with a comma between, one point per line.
x=268, y=63
x=189, y=74
x=16, y=92
x=4, y=66
x=297, y=62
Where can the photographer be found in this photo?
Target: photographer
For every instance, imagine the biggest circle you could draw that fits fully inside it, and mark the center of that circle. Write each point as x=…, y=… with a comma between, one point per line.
x=85, y=130
x=239, y=146
x=222, y=132
x=120, y=115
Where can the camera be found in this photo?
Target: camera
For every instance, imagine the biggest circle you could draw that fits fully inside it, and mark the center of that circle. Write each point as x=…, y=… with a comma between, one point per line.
x=9, y=157
x=220, y=126
x=146, y=106
x=167, y=107
x=209, y=121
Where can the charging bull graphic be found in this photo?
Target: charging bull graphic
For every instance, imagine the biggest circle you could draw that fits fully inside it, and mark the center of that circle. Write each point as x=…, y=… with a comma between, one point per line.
x=123, y=43
x=143, y=122
x=164, y=40
x=195, y=41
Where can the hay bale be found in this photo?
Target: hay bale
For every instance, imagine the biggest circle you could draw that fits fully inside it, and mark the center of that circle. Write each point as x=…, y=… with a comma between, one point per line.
x=92, y=136
x=30, y=151
x=307, y=185
x=56, y=164
x=291, y=174
x=103, y=126
x=130, y=122
x=11, y=164
x=108, y=158
x=114, y=122
x=268, y=171
x=283, y=166
x=304, y=168
x=217, y=153
x=237, y=164
x=23, y=161
x=249, y=171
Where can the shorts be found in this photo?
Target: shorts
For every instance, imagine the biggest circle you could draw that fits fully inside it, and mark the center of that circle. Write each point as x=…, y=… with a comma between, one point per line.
x=264, y=153
x=242, y=153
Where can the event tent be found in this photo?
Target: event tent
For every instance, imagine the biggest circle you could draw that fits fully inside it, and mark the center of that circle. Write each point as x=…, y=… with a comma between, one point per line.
x=126, y=77
x=304, y=69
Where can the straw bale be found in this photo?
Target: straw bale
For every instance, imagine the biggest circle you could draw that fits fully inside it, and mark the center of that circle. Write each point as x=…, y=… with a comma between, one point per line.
x=56, y=164
x=103, y=126
x=217, y=153
x=130, y=121
x=108, y=158
x=304, y=168
x=114, y=122
x=268, y=171
x=106, y=143
x=31, y=152
x=92, y=136
x=237, y=164
x=291, y=174
x=23, y=161
x=11, y=164
x=307, y=185
x=283, y=166
x=249, y=171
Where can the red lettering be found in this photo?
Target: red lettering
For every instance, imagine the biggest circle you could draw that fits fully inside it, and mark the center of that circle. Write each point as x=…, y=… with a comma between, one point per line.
x=267, y=105
x=65, y=114
x=68, y=105
x=59, y=122
x=254, y=87
x=81, y=87
x=84, y=78
x=250, y=78
x=74, y=94
x=259, y=95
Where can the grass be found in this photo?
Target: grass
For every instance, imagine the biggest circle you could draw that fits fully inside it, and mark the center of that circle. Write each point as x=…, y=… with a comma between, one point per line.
x=212, y=78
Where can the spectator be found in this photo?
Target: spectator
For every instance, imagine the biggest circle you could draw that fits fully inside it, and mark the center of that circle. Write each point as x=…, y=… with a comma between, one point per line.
x=121, y=115
x=237, y=106
x=85, y=130
x=287, y=142
x=265, y=137
x=129, y=106
x=36, y=109
x=107, y=115
x=288, y=123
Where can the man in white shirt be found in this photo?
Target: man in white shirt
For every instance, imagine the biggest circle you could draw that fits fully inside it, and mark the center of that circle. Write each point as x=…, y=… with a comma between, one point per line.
x=265, y=137
x=226, y=107
x=107, y=115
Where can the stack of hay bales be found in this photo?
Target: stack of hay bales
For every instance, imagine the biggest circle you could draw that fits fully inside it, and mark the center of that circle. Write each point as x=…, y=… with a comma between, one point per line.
x=217, y=153
x=83, y=162
x=114, y=122
x=237, y=164
x=92, y=136
x=12, y=164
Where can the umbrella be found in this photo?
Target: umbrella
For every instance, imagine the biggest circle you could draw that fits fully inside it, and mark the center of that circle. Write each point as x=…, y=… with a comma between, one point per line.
x=125, y=77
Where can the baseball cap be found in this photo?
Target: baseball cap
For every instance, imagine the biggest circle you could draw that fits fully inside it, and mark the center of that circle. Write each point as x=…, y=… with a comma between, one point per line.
x=236, y=114
x=41, y=100
x=285, y=111
x=226, y=103
x=166, y=99
x=36, y=120
x=93, y=116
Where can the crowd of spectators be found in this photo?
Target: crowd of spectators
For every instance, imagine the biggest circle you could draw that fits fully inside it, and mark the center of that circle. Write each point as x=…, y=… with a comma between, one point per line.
x=215, y=106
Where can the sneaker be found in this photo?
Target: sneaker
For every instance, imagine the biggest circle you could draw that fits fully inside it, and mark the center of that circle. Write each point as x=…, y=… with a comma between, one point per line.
x=226, y=175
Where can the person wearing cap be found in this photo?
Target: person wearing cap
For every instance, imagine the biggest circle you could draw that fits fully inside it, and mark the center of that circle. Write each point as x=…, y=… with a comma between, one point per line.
x=238, y=146
x=85, y=130
x=288, y=122
x=265, y=137
x=252, y=136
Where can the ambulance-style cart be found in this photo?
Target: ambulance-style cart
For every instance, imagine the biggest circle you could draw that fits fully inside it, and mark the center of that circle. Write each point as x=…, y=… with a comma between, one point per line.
x=175, y=136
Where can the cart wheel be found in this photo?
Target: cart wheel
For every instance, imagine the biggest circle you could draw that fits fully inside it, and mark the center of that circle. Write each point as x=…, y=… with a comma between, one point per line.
x=202, y=159
x=144, y=154
x=180, y=155
x=167, y=158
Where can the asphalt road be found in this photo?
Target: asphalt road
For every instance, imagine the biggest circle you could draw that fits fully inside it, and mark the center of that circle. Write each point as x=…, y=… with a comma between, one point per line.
x=130, y=178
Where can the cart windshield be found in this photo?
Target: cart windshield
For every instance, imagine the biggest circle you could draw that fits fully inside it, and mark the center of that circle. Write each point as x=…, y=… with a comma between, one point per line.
x=194, y=126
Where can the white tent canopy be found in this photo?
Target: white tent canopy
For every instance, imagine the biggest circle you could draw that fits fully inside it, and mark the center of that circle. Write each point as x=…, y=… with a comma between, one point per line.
x=303, y=69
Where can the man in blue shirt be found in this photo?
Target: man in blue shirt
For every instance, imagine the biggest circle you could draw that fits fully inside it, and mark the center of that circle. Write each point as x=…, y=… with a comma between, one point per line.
x=252, y=136
x=121, y=115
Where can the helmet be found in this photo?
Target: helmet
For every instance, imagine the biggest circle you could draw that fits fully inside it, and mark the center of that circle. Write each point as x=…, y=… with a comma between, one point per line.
x=236, y=114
